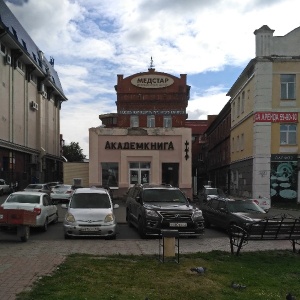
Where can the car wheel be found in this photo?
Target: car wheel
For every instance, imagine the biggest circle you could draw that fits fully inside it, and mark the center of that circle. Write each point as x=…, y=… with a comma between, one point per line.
x=207, y=224
x=23, y=232
x=112, y=237
x=128, y=218
x=55, y=219
x=141, y=228
x=45, y=226
x=67, y=237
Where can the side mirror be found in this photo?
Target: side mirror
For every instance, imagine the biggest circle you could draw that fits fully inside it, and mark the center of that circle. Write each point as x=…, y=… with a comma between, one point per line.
x=116, y=206
x=138, y=199
x=64, y=206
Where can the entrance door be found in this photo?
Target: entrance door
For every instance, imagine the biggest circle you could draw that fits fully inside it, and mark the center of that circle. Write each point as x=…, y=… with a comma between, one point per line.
x=170, y=174
x=139, y=173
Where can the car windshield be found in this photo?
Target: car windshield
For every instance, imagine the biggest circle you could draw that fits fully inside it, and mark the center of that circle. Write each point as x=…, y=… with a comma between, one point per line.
x=18, y=198
x=34, y=186
x=62, y=187
x=161, y=195
x=214, y=191
x=89, y=200
x=244, y=206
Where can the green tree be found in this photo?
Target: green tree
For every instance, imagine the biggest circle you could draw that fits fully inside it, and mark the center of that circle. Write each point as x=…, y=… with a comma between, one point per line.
x=73, y=152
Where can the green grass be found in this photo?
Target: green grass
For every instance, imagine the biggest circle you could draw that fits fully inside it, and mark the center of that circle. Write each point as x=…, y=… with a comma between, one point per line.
x=266, y=275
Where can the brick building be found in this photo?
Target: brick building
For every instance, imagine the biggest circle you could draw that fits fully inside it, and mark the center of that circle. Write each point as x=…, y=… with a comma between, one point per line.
x=146, y=141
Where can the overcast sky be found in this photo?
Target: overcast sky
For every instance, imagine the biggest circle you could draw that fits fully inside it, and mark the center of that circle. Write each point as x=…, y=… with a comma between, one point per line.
x=92, y=41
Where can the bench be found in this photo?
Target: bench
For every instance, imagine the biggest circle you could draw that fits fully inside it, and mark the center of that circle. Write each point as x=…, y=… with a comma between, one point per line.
x=275, y=228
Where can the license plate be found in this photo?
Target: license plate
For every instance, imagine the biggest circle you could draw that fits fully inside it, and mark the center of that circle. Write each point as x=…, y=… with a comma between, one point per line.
x=178, y=224
x=1, y=217
x=90, y=229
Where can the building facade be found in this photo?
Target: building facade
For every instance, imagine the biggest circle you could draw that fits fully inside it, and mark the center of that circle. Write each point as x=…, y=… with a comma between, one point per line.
x=146, y=141
x=265, y=106
x=31, y=96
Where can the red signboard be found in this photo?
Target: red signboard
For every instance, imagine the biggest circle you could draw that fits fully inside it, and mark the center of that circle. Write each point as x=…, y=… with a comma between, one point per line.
x=276, y=117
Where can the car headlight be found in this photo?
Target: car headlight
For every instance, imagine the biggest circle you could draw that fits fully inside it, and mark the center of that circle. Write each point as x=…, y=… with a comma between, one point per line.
x=151, y=213
x=197, y=214
x=109, y=218
x=70, y=218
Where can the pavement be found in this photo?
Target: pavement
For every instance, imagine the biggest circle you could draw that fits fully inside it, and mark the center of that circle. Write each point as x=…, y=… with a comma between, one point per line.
x=22, y=264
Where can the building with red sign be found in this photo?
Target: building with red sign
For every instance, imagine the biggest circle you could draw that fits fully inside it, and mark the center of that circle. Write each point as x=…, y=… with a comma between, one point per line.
x=265, y=106
x=146, y=141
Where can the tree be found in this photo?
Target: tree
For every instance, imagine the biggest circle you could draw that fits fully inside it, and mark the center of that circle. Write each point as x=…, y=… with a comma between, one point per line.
x=73, y=152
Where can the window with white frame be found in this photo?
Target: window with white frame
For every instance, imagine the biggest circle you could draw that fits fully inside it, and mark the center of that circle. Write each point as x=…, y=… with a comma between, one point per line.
x=167, y=121
x=134, y=121
x=288, y=133
x=151, y=121
x=288, y=86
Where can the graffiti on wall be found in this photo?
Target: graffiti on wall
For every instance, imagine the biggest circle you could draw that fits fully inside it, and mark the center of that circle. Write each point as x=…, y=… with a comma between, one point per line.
x=284, y=177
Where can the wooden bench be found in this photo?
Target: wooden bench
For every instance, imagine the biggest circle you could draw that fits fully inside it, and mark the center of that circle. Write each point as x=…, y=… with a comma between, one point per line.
x=276, y=228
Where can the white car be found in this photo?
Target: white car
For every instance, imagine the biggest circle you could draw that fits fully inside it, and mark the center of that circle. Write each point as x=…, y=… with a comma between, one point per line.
x=34, y=201
x=62, y=192
x=4, y=187
x=90, y=213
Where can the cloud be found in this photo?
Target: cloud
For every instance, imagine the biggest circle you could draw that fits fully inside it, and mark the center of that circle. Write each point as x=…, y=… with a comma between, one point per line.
x=93, y=41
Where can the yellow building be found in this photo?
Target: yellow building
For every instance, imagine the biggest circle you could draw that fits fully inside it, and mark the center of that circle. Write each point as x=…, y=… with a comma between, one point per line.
x=265, y=106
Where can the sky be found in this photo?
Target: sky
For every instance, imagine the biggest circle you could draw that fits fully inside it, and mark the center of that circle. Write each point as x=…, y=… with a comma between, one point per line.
x=92, y=41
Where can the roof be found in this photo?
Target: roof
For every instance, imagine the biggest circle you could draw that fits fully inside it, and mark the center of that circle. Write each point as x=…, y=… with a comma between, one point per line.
x=19, y=35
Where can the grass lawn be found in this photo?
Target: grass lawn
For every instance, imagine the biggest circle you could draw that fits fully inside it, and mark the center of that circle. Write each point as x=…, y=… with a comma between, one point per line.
x=266, y=275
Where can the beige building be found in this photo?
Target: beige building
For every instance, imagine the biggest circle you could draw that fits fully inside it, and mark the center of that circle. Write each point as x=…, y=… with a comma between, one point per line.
x=265, y=106
x=146, y=141
x=31, y=96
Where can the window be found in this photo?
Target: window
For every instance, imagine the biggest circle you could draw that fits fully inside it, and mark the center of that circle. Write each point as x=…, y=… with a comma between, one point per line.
x=233, y=111
x=238, y=107
x=20, y=65
x=288, y=134
x=232, y=145
x=151, y=121
x=33, y=78
x=134, y=121
x=242, y=142
x=243, y=102
x=110, y=174
x=167, y=121
x=288, y=82
x=2, y=48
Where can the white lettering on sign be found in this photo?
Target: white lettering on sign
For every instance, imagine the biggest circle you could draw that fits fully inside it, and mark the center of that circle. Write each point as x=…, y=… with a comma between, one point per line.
x=152, y=81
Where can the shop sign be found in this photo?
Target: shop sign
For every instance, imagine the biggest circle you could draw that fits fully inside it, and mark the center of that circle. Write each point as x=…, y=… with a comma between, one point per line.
x=276, y=117
x=152, y=112
x=152, y=81
x=139, y=146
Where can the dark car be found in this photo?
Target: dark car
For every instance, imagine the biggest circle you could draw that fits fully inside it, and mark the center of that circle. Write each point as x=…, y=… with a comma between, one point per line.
x=208, y=192
x=151, y=208
x=224, y=212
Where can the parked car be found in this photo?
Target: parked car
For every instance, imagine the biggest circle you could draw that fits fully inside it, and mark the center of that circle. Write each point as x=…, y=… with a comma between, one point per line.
x=62, y=192
x=208, y=192
x=4, y=187
x=34, y=201
x=53, y=184
x=224, y=212
x=38, y=187
x=90, y=213
x=151, y=208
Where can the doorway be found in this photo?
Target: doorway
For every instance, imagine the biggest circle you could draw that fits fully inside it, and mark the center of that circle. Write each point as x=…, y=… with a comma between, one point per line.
x=170, y=173
x=139, y=173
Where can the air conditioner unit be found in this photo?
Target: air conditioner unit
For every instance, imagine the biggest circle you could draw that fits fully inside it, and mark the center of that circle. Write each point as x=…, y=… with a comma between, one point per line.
x=44, y=94
x=8, y=59
x=42, y=88
x=34, y=105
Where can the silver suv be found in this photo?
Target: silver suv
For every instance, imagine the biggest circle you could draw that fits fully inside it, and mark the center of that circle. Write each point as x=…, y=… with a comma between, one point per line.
x=90, y=213
x=151, y=208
